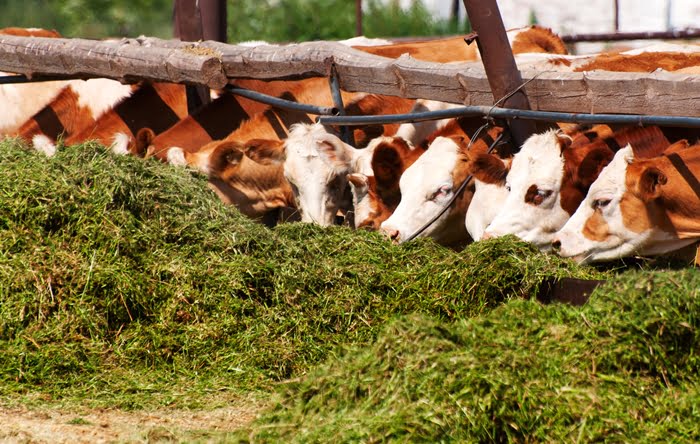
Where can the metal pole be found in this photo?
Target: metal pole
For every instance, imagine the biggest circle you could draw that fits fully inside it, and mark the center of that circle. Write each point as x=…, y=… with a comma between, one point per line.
x=345, y=133
x=188, y=27
x=281, y=103
x=616, y=15
x=499, y=63
x=504, y=113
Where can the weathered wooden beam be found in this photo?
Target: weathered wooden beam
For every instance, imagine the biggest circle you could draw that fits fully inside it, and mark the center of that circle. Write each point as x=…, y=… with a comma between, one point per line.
x=210, y=63
x=122, y=60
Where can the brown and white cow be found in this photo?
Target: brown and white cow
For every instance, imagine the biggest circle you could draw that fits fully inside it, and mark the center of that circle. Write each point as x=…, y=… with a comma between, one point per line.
x=637, y=205
x=79, y=104
x=20, y=101
x=376, y=197
x=454, y=49
x=550, y=176
x=156, y=106
x=427, y=186
x=256, y=189
x=317, y=164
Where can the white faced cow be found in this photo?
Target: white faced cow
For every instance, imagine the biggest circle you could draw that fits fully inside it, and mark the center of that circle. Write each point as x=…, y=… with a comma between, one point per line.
x=317, y=164
x=637, y=206
x=427, y=187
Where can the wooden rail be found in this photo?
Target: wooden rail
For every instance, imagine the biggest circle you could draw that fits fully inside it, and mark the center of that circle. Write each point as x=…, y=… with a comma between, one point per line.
x=214, y=64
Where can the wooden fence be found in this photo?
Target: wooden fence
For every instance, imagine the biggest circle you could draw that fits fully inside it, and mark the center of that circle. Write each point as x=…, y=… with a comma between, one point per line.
x=214, y=64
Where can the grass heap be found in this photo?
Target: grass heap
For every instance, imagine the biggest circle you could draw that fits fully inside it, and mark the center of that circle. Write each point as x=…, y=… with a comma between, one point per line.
x=623, y=368
x=121, y=278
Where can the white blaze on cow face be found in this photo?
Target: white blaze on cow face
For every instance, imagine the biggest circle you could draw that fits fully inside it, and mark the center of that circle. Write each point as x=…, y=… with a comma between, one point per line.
x=317, y=164
x=426, y=187
x=532, y=210
x=596, y=230
x=613, y=221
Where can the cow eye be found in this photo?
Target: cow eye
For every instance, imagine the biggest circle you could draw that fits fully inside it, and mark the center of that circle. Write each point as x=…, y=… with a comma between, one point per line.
x=600, y=203
x=543, y=194
x=508, y=187
x=441, y=192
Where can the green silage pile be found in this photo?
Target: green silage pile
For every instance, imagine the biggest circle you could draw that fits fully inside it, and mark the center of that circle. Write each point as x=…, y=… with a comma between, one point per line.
x=129, y=284
x=624, y=368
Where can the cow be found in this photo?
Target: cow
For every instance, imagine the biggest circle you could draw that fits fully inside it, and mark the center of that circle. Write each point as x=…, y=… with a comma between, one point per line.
x=427, y=187
x=550, y=176
x=79, y=104
x=258, y=189
x=376, y=197
x=156, y=106
x=316, y=165
x=454, y=49
x=641, y=204
x=20, y=101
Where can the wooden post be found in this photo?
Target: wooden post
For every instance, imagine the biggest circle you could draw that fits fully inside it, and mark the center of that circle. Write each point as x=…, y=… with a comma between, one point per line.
x=213, y=14
x=187, y=25
x=499, y=63
x=358, y=18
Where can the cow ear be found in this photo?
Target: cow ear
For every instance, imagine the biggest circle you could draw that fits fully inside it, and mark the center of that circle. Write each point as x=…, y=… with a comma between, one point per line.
x=564, y=140
x=461, y=141
x=488, y=168
x=358, y=181
x=265, y=151
x=334, y=151
x=590, y=167
x=650, y=182
x=144, y=137
x=386, y=165
x=224, y=156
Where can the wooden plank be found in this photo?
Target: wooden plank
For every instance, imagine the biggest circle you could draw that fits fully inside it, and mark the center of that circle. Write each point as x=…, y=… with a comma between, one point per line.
x=210, y=63
x=119, y=60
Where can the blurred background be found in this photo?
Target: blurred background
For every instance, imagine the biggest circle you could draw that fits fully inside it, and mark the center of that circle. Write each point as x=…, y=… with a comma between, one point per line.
x=304, y=20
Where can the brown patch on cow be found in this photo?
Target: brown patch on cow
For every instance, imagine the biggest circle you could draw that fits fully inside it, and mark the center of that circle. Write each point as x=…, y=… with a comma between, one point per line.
x=488, y=168
x=33, y=32
x=450, y=49
x=596, y=228
x=644, y=62
x=538, y=39
x=376, y=104
x=65, y=114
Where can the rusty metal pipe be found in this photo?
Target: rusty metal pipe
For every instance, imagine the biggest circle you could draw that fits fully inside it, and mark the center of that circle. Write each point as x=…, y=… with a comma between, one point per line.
x=499, y=63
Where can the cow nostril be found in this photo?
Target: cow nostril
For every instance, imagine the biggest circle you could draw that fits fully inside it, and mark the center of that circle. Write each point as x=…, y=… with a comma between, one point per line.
x=394, y=234
x=556, y=245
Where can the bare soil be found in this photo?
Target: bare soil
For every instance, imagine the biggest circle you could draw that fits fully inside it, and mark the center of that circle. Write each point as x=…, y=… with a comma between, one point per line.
x=22, y=425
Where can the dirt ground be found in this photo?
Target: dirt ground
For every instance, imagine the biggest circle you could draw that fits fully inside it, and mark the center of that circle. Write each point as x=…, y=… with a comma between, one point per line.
x=21, y=425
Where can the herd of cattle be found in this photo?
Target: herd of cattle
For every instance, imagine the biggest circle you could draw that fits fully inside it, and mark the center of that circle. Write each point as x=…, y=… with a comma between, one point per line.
x=592, y=193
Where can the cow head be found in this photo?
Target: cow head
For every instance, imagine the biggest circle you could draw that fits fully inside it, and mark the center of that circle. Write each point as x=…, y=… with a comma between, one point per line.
x=532, y=211
x=547, y=180
x=426, y=188
x=254, y=188
x=631, y=208
x=317, y=164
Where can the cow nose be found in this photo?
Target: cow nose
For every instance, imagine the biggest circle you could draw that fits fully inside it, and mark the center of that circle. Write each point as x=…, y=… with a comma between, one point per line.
x=391, y=233
x=556, y=245
x=487, y=235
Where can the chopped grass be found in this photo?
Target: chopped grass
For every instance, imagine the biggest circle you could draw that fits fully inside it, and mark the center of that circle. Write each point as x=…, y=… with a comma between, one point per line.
x=122, y=278
x=623, y=368
x=127, y=283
